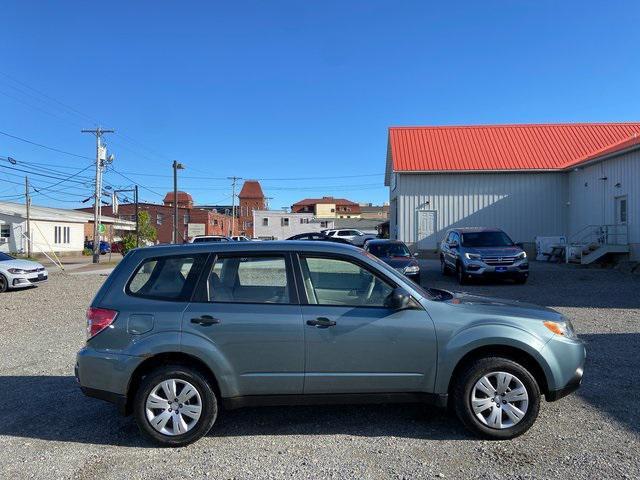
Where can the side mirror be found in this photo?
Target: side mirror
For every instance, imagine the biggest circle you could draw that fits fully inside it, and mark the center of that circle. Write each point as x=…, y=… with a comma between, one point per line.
x=519, y=245
x=399, y=299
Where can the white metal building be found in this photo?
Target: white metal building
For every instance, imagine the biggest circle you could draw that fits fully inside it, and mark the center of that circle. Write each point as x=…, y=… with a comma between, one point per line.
x=581, y=181
x=52, y=229
x=280, y=225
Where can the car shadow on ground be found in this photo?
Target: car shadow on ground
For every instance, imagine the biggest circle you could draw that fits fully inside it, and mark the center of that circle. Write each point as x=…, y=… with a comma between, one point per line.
x=54, y=408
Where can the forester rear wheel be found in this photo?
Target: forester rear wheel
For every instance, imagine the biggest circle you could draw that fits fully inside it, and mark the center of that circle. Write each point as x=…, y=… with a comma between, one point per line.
x=175, y=405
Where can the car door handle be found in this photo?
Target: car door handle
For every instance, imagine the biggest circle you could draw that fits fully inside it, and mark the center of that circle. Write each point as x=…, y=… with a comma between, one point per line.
x=321, y=322
x=205, y=320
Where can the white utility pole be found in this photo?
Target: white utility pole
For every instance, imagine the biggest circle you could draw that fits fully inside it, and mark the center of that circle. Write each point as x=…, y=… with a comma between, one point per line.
x=27, y=200
x=233, y=203
x=97, y=207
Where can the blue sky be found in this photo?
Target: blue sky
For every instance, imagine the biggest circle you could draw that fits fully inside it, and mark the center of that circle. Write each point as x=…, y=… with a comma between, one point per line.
x=277, y=90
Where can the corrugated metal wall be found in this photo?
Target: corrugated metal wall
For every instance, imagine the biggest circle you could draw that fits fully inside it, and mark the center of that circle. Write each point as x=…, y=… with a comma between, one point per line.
x=593, y=191
x=523, y=204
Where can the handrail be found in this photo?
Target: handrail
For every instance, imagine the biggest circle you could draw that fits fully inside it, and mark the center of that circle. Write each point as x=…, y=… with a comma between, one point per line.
x=608, y=234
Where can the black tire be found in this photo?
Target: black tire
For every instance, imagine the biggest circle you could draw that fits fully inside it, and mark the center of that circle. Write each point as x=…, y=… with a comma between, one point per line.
x=4, y=284
x=460, y=275
x=444, y=269
x=465, y=383
x=521, y=279
x=208, y=403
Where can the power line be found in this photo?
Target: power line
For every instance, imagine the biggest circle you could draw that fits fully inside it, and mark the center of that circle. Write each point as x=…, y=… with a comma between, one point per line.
x=44, y=146
x=111, y=169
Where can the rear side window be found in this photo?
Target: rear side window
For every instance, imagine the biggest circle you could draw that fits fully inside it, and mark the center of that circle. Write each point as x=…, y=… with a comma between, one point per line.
x=243, y=279
x=166, y=278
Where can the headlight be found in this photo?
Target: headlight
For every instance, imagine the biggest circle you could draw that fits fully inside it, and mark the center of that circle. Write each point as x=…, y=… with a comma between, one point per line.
x=521, y=255
x=412, y=269
x=16, y=270
x=473, y=256
x=564, y=328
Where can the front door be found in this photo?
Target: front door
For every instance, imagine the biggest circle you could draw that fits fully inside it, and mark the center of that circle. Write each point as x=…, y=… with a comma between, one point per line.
x=248, y=320
x=354, y=344
x=426, y=230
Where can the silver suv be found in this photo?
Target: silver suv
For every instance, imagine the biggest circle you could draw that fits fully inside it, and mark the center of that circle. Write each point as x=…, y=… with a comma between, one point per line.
x=179, y=331
x=482, y=252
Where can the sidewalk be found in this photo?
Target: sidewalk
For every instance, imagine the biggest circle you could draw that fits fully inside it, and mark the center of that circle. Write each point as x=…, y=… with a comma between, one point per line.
x=83, y=264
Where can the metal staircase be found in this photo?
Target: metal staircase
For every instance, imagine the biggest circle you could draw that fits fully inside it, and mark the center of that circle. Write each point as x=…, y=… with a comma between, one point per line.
x=595, y=241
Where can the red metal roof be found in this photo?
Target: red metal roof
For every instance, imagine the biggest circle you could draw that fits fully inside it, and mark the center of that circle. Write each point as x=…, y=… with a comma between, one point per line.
x=506, y=147
x=251, y=189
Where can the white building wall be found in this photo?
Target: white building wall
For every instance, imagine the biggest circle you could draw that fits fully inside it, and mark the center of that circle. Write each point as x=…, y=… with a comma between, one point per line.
x=593, y=190
x=525, y=205
x=42, y=234
x=277, y=231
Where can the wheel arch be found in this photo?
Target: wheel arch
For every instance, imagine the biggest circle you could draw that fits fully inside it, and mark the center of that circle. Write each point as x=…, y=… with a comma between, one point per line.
x=519, y=355
x=162, y=359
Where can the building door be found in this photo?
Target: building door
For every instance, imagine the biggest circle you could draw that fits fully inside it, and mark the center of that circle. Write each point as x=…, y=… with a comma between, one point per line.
x=622, y=214
x=426, y=230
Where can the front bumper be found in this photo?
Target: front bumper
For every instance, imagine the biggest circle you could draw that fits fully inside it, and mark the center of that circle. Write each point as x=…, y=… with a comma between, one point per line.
x=566, y=358
x=569, y=388
x=23, y=280
x=477, y=268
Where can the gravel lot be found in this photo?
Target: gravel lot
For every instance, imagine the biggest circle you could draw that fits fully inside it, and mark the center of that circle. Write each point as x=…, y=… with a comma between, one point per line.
x=48, y=429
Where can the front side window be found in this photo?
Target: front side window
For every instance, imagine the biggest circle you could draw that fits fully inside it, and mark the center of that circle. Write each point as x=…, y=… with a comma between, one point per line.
x=332, y=281
x=241, y=279
x=166, y=278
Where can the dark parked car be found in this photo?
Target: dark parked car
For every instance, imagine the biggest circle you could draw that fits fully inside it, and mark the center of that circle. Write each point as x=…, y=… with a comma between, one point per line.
x=178, y=333
x=397, y=255
x=105, y=247
x=318, y=236
x=482, y=252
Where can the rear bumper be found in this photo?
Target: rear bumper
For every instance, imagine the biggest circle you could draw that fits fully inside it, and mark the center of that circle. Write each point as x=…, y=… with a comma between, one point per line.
x=105, y=375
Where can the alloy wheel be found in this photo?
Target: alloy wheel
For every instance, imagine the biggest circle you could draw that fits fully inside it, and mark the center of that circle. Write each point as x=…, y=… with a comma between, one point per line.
x=499, y=400
x=173, y=407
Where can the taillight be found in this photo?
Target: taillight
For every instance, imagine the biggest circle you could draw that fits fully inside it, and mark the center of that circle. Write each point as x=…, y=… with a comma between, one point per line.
x=98, y=319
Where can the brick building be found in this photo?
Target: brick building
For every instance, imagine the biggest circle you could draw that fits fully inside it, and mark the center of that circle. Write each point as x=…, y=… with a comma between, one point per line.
x=327, y=207
x=251, y=198
x=190, y=219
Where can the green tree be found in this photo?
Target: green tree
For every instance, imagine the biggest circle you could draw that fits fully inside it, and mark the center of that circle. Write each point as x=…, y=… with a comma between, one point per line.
x=148, y=233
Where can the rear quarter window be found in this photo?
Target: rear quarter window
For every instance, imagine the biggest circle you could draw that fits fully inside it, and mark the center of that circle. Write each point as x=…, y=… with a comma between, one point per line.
x=171, y=278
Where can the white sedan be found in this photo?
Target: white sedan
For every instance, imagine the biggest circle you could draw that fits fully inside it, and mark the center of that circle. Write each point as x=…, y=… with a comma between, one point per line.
x=16, y=273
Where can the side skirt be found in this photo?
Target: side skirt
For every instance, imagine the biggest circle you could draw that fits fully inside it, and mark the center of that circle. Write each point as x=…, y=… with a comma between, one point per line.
x=231, y=403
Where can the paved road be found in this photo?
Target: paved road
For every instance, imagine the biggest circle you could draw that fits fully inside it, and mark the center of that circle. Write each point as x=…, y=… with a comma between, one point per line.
x=49, y=430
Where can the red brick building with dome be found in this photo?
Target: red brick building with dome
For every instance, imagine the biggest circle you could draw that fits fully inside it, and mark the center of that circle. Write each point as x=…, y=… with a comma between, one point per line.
x=161, y=217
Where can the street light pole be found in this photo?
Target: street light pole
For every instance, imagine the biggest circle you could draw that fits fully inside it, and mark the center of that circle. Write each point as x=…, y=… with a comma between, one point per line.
x=176, y=166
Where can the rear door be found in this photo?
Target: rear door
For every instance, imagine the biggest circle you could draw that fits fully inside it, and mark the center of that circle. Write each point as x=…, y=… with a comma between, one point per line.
x=247, y=314
x=354, y=344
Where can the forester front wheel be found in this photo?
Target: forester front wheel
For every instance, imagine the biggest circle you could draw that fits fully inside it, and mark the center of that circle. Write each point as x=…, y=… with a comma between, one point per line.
x=175, y=406
x=496, y=398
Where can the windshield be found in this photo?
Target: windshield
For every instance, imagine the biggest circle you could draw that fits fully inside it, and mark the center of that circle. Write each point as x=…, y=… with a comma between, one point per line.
x=4, y=256
x=389, y=250
x=486, y=239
